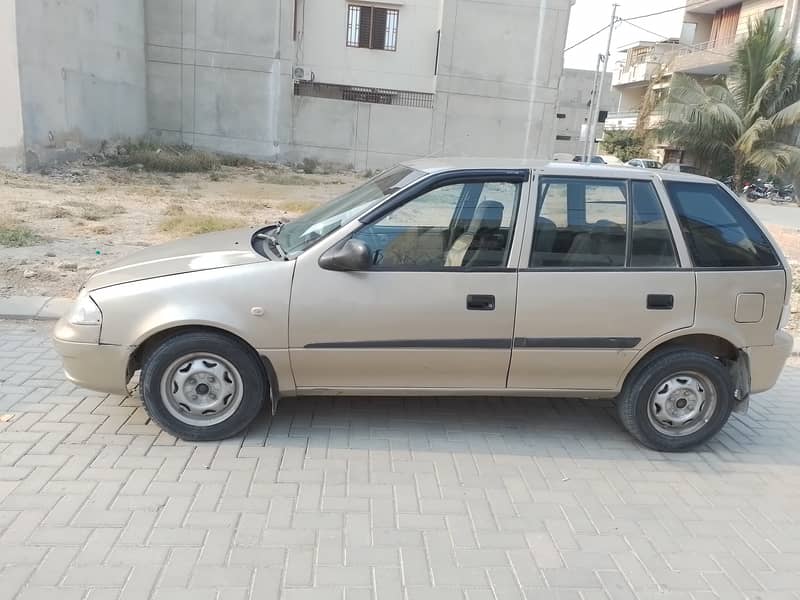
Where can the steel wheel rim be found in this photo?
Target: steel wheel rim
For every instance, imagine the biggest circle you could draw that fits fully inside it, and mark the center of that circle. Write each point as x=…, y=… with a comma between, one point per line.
x=682, y=404
x=201, y=389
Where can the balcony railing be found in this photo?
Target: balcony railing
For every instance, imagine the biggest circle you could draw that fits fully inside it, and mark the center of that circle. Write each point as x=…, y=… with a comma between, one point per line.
x=638, y=73
x=630, y=120
x=724, y=45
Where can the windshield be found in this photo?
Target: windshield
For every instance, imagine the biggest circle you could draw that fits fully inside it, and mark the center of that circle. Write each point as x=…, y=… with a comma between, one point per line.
x=296, y=236
x=651, y=164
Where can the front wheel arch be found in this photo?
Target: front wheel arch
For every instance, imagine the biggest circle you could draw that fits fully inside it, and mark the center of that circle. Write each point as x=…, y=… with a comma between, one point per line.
x=150, y=343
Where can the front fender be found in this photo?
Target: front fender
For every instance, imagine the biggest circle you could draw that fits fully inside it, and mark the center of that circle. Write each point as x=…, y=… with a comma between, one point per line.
x=249, y=301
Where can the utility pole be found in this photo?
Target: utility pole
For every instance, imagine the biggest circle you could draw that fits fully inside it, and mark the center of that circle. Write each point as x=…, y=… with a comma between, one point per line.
x=591, y=109
x=598, y=96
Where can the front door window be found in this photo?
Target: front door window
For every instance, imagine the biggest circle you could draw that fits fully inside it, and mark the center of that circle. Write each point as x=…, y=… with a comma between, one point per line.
x=459, y=226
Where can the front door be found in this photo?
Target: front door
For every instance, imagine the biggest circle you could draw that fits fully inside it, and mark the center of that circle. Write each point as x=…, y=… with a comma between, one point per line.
x=436, y=308
x=603, y=280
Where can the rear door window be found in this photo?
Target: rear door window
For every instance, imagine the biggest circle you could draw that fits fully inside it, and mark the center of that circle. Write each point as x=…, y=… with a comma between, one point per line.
x=718, y=230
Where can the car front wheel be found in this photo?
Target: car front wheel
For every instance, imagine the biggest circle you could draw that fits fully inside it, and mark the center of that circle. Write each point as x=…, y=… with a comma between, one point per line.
x=203, y=386
x=677, y=400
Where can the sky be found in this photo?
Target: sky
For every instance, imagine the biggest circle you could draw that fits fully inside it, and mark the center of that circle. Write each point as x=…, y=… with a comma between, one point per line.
x=590, y=15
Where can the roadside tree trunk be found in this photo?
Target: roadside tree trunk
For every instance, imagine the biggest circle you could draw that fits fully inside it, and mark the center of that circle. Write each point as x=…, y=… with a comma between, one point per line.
x=738, y=172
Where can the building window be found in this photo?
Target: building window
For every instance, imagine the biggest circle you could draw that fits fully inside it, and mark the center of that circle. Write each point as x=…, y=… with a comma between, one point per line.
x=561, y=115
x=774, y=15
x=563, y=138
x=372, y=27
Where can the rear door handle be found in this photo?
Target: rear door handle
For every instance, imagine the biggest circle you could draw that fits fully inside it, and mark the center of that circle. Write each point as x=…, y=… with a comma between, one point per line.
x=660, y=302
x=480, y=302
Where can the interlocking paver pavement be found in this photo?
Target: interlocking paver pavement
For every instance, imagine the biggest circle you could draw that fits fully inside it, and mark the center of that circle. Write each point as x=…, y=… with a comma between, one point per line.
x=389, y=499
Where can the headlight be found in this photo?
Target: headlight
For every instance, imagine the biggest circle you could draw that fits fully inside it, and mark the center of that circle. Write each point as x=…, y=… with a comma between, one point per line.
x=84, y=312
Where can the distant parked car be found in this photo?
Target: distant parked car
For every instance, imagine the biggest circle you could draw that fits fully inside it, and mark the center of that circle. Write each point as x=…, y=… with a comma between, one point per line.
x=596, y=160
x=612, y=160
x=644, y=163
x=680, y=168
x=454, y=277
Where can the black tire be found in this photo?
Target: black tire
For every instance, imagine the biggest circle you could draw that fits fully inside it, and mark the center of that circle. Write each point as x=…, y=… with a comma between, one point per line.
x=633, y=403
x=243, y=359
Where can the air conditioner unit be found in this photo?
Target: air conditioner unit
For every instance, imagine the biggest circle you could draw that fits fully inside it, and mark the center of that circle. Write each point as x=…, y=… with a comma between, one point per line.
x=300, y=73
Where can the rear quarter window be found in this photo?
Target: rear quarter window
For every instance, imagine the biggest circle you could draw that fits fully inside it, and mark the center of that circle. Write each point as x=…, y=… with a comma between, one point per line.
x=717, y=229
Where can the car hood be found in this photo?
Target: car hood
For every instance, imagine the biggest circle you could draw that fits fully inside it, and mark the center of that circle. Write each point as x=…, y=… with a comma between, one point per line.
x=199, y=253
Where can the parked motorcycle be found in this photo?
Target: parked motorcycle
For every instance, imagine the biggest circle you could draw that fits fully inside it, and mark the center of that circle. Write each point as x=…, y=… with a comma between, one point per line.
x=784, y=195
x=757, y=190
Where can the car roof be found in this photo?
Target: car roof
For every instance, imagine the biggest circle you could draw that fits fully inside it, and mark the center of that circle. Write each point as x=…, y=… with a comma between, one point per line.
x=558, y=168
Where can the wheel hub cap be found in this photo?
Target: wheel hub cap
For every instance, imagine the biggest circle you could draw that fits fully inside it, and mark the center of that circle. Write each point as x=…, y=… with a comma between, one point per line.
x=201, y=389
x=682, y=404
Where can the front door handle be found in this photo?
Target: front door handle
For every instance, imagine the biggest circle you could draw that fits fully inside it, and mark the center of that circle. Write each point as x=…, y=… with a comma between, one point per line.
x=660, y=302
x=480, y=302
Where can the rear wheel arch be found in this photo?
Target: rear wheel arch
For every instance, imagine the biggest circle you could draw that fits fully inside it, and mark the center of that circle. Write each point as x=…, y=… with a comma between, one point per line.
x=704, y=342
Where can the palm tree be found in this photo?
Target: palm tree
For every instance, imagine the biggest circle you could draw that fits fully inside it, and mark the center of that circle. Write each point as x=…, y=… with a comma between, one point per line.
x=748, y=118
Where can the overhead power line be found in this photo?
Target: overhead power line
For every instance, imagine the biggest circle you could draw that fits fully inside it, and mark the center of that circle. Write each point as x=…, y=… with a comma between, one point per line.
x=669, y=10
x=655, y=14
x=587, y=38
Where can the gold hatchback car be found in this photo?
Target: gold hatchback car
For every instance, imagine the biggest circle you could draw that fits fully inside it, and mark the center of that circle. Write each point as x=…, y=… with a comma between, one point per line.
x=454, y=277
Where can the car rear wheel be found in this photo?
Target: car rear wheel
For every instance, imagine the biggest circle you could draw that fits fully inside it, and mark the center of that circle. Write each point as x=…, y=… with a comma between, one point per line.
x=203, y=386
x=677, y=400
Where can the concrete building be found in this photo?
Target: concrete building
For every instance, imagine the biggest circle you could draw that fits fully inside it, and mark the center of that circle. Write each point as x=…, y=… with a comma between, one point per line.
x=352, y=82
x=74, y=74
x=572, y=110
x=706, y=47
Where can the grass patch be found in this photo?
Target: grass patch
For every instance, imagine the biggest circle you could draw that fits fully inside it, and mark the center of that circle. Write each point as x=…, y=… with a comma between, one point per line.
x=175, y=210
x=18, y=236
x=298, y=206
x=173, y=159
x=59, y=212
x=282, y=178
x=92, y=212
x=185, y=225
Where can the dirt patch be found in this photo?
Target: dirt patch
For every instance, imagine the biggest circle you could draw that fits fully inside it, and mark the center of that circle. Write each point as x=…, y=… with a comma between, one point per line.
x=56, y=229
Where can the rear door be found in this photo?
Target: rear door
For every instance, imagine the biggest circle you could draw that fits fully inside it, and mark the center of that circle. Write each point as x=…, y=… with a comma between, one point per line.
x=741, y=283
x=602, y=279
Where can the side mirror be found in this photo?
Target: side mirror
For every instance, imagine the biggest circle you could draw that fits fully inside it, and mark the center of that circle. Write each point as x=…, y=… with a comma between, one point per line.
x=353, y=255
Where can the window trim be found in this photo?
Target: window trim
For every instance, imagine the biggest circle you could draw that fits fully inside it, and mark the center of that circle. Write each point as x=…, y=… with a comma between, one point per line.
x=395, y=9
x=779, y=266
x=520, y=177
x=530, y=242
x=670, y=232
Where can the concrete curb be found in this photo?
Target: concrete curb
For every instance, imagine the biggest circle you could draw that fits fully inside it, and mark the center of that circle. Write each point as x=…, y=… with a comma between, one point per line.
x=45, y=308
x=33, y=308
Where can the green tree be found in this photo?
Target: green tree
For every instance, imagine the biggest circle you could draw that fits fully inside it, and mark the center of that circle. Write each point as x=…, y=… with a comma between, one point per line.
x=748, y=118
x=624, y=144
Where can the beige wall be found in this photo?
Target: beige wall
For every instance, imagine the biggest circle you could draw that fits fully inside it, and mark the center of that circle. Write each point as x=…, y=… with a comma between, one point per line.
x=11, y=132
x=321, y=46
x=755, y=8
x=704, y=22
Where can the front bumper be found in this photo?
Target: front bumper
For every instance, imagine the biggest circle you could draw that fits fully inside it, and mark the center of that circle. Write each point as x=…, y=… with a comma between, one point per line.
x=767, y=362
x=91, y=365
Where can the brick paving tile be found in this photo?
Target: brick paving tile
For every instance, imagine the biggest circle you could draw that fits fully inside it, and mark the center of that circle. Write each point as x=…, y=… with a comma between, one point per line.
x=357, y=499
